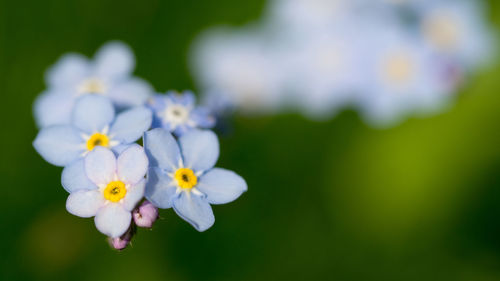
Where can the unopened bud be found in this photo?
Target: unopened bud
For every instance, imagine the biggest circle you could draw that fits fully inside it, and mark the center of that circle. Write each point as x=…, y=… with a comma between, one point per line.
x=120, y=243
x=145, y=215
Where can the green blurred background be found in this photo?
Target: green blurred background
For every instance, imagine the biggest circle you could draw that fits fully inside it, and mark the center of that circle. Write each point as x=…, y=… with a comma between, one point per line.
x=333, y=200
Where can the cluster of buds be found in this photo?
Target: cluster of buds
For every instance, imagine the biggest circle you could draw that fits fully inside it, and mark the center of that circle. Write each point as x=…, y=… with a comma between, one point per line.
x=144, y=216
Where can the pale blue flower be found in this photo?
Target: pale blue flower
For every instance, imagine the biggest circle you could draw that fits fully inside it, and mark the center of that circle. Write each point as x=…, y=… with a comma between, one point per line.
x=108, y=187
x=403, y=77
x=182, y=175
x=458, y=29
x=109, y=74
x=178, y=113
x=93, y=124
x=323, y=69
x=307, y=15
x=238, y=66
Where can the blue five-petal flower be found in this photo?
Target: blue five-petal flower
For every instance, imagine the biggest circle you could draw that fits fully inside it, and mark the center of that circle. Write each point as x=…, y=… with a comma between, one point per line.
x=178, y=113
x=93, y=124
x=109, y=74
x=182, y=175
x=108, y=187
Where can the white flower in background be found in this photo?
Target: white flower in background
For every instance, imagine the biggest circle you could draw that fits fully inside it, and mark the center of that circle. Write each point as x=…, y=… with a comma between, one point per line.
x=109, y=74
x=240, y=68
x=403, y=76
x=457, y=29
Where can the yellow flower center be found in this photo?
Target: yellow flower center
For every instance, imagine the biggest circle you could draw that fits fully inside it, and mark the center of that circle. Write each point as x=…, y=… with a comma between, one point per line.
x=186, y=178
x=442, y=31
x=97, y=139
x=92, y=86
x=398, y=68
x=115, y=191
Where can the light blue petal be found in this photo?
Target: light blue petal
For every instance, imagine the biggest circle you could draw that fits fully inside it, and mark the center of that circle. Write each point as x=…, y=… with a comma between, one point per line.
x=132, y=164
x=181, y=130
x=130, y=125
x=200, y=149
x=157, y=103
x=185, y=98
x=59, y=145
x=69, y=70
x=114, y=60
x=221, y=186
x=131, y=92
x=100, y=165
x=53, y=108
x=160, y=189
x=85, y=203
x=160, y=123
x=134, y=194
x=120, y=148
x=162, y=149
x=202, y=117
x=195, y=210
x=92, y=113
x=74, y=177
x=113, y=220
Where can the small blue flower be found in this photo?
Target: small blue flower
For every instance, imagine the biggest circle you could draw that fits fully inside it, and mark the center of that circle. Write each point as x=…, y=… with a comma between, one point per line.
x=182, y=175
x=109, y=74
x=403, y=77
x=93, y=124
x=178, y=114
x=108, y=188
x=458, y=29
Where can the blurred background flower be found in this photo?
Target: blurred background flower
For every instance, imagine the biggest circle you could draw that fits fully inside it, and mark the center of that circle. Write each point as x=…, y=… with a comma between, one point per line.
x=329, y=200
x=388, y=59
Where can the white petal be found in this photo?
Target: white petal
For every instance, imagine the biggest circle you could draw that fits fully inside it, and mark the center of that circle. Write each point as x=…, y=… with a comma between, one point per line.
x=134, y=194
x=132, y=164
x=85, y=203
x=113, y=220
x=100, y=165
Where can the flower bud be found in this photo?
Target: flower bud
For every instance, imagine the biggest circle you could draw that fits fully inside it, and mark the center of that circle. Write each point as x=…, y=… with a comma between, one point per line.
x=145, y=215
x=120, y=243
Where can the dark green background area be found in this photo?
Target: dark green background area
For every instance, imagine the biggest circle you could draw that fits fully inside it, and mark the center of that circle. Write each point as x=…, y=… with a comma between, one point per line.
x=327, y=201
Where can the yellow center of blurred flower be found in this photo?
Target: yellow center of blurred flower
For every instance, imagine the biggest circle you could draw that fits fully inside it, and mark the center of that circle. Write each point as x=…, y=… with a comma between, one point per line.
x=398, y=68
x=92, y=86
x=186, y=178
x=441, y=31
x=97, y=139
x=115, y=191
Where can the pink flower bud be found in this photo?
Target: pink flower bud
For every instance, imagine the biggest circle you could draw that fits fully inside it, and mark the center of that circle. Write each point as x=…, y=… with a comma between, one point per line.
x=145, y=215
x=120, y=243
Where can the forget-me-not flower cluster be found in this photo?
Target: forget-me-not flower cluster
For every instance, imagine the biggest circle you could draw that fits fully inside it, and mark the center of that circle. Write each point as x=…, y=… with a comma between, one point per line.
x=92, y=118
x=389, y=59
